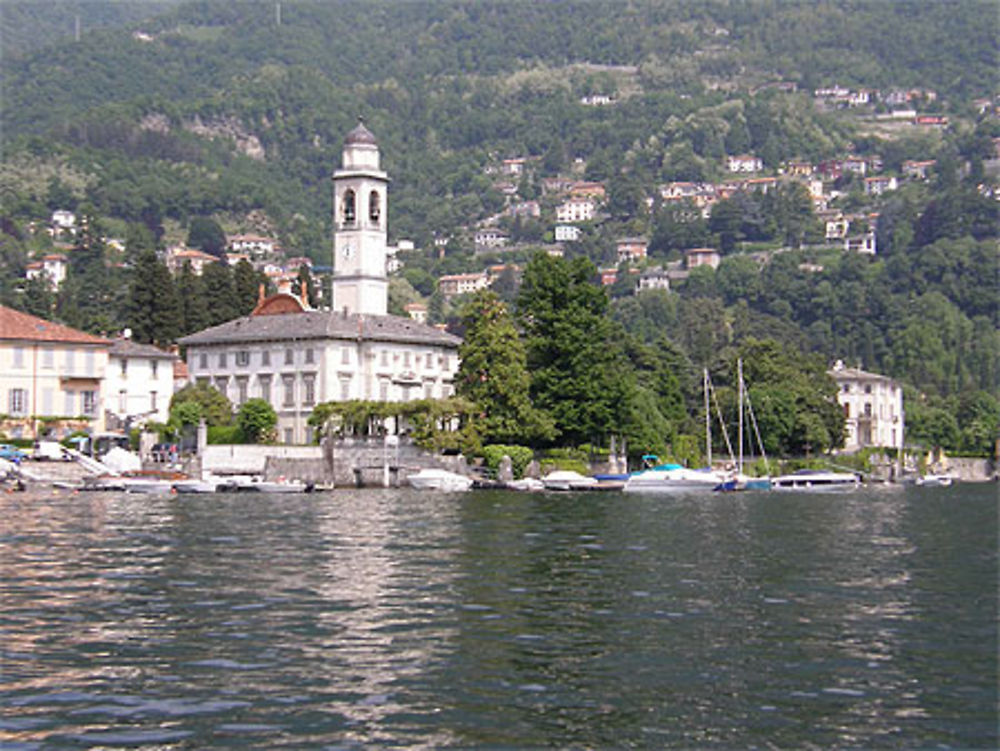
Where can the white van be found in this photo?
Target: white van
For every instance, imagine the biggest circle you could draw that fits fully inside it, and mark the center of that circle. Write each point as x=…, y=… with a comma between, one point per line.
x=48, y=451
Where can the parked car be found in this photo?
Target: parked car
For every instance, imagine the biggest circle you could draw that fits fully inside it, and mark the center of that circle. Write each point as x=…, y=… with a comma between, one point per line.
x=164, y=453
x=11, y=453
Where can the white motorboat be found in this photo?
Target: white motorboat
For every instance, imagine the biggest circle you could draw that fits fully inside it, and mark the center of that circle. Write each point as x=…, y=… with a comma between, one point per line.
x=529, y=484
x=564, y=479
x=670, y=478
x=934, y=481
x=431, y=478
x=816, y=479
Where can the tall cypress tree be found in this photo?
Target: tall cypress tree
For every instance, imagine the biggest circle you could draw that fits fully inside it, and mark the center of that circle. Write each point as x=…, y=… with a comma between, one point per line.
x=220, y=292
x=246, y=283
x=154, y=310
x=493, y=374
x=193, y=300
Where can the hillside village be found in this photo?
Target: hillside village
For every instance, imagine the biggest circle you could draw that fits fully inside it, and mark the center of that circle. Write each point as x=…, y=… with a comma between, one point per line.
x=706, y=233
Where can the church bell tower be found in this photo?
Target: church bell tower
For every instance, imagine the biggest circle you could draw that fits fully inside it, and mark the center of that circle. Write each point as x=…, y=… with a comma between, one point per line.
x=360, y=187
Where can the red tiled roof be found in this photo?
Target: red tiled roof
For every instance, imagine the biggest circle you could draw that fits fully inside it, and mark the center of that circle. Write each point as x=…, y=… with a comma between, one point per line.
x=17, y=325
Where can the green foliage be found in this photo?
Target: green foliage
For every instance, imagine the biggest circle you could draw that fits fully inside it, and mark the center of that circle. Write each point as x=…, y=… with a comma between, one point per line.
x=257, y=420
x=155, y=314
x=225, y=435
x=520, y=458
x=212, y=406
x=566, y=458
x=493, y=374
x=206, y=235
x=578, y=375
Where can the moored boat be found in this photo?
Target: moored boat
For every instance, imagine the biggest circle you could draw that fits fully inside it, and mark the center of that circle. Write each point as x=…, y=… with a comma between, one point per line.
x=934, y=480
x=431, y=478
x=816, y=479
x=670, y=478
x=565, y=479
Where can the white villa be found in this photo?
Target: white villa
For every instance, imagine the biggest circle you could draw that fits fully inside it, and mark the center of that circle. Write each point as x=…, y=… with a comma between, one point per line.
x=295, y=357
x=138, y=384
x=873, y=408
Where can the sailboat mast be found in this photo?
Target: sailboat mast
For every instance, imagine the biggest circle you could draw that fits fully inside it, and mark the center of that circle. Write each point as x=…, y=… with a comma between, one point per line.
x=739, y=379
x=708, y=419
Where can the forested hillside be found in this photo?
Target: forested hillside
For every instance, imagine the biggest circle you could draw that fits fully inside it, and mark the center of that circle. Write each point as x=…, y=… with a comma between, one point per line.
x=234, y=113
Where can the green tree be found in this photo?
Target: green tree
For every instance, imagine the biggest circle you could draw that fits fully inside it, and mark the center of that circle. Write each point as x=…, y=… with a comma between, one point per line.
x=578, y=374
x=212, y=406
x=246, y=286
x=193, y=300
x=154, y=309
x=257, y=421
x=219, y=288
x=493, y=374
x=206, y=235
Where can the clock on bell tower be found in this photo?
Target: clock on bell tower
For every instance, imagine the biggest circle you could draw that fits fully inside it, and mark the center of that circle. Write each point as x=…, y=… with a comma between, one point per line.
x=360, y=190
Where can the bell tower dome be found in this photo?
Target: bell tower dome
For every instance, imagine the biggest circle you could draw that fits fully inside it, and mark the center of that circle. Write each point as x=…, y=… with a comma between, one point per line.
x=360, y=203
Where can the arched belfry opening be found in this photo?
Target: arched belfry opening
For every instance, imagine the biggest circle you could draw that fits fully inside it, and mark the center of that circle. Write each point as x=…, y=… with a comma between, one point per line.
x=374, y=207
x=349, y=210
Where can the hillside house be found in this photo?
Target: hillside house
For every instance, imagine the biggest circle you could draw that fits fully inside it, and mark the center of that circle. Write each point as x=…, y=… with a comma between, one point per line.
x=177, y=256
x=567, y=233
x=873, y=408
x=417, y=311
x=654, y=278
x=695, y=257
x=575, y=210
x=876, y=186
x=52, y=266
x=861, y=243
x=255, y=245
x=452, y=285
x=917, y=169
x=491, y=237
x=631, y=249
x=592, y=190
x=514, y=166
x=744, y=163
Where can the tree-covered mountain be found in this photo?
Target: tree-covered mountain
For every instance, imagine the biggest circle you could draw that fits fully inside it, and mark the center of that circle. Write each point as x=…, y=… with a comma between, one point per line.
x=154, y=121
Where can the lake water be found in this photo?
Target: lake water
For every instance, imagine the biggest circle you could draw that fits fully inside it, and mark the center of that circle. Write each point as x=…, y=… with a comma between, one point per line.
x=394, y=619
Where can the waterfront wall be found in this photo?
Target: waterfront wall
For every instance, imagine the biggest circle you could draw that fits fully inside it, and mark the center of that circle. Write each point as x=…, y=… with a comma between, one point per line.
x=344, y=462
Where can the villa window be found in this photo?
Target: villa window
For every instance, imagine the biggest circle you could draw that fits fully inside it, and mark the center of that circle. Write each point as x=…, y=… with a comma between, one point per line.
x=309, y=356
x=289, y=356
x=242, y=358
x=222, y=359
x=241, y=389
x=18, y=401
x=124, y=366
x=289, y=388
x=122, y=402
x=152, y=401
x=265, y=357
x=203, y=361
x=153, y=367
x=90, y=403
x=265, y=388
x=222, y=385
x=309, y=387
x=18, y=358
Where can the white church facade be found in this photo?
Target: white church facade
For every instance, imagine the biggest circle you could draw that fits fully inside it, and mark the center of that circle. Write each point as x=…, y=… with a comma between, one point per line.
x=295, y=357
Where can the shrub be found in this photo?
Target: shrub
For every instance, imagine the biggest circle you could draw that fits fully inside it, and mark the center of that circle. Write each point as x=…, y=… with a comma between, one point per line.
x=225, y=434
x=520, y=458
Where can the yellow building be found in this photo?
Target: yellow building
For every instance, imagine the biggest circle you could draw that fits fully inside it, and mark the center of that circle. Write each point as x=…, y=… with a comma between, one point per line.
x=51, y=377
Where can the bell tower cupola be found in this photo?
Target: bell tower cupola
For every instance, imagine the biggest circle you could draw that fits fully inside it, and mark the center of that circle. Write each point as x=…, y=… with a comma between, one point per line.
x=360, y=203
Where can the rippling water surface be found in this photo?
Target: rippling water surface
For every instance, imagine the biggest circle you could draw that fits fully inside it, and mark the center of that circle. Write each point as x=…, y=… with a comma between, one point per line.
x=380, y=619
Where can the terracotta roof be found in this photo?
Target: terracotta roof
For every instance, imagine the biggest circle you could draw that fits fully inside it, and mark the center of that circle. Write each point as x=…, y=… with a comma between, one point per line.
x=320, y=324
x=17, y=325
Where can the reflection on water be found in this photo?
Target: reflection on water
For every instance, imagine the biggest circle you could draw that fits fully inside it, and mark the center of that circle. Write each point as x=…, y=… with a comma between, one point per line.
x=394, y=618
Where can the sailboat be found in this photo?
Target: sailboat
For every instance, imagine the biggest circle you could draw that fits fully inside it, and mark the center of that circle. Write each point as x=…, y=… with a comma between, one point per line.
x=741, y=481
x=671, y=478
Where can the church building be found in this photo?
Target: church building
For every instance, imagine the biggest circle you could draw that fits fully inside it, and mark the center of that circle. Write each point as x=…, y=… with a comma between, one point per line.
x=295, y=357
